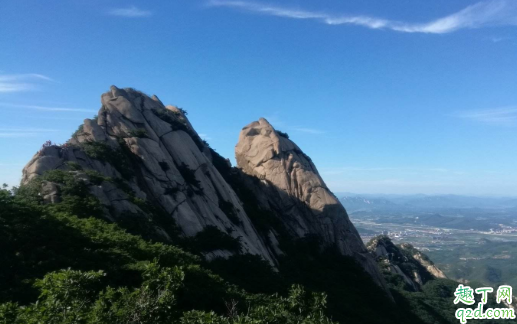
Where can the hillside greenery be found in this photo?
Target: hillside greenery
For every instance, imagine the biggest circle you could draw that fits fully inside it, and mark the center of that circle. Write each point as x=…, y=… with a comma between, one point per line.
x=60, y=268
x=65, y=263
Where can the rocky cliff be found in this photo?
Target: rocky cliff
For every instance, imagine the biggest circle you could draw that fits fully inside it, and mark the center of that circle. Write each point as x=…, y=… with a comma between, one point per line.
x=142, y=164
x=403, y=262
x=291, y=187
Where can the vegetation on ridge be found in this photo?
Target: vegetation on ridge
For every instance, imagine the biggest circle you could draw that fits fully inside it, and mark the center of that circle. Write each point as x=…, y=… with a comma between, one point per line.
x=89, y=271
x=69, y=264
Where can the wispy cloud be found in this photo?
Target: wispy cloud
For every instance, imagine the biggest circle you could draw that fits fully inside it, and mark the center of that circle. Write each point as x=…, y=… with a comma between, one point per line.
x=498, y=39
x=130, y=12
x=23, y=132
x=16, y=135
x=27, y=130
x=308, y=130
x=505, y=116
x=204, y=136
x=412, y=170
x=485, y=13
x=21, y=82
x=44, y=108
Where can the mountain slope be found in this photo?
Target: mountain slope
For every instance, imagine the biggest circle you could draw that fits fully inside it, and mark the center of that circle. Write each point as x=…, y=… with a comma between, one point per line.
x=152, y=154
x=292, y=189
x=226, y=235
x=405, y=262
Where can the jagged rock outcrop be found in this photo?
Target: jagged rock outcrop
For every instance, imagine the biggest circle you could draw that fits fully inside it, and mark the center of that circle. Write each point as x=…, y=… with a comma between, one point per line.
x=139, y=158
x=404, y=261
x=156, y=155
x=292, y=188
x=423, y=260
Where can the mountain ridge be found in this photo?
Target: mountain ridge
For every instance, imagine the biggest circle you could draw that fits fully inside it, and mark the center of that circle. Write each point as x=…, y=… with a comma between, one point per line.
x=160, y=159
x=138, y=173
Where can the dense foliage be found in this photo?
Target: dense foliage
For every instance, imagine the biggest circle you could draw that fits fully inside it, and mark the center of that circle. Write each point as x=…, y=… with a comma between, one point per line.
x=88, y=271
x=64, y=263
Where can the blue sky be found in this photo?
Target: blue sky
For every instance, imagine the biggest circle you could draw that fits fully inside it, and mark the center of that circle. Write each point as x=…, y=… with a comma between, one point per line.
x=385, y=96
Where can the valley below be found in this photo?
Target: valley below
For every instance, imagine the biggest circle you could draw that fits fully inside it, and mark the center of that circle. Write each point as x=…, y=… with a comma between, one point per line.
x=468, y=242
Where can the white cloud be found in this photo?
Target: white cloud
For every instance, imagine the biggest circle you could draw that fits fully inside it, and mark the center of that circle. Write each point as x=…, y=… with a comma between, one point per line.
x=505, y=116
x=16, y=135
x=308, y=130
x=204, y=136
x=21, y=82
x=44, y=108
x=130, y=12
x=27, y=130
x=497, y=39
x=485, y=13
x=23, y=132
x=411, y=170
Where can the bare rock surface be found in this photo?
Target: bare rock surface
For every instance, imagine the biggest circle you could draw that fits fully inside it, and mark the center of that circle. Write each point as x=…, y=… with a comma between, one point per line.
x=292, y=188
x=424, y=261
x=167, y=167
x=414, y=267
x=146, y=155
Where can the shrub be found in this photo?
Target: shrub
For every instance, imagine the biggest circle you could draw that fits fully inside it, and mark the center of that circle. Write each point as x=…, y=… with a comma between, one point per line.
x=282, y=134
x=140, y=133
x=212, y=238
x=177, y=123
x=229, y=210
x=95, y=177
x=79, y=131
x=189, y=175
x=74, y=166
x=299, y=152
x=116, y=157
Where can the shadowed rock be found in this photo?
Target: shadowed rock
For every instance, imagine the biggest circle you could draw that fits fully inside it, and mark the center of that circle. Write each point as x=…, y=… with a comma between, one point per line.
x=147, y=152
x=294, y=190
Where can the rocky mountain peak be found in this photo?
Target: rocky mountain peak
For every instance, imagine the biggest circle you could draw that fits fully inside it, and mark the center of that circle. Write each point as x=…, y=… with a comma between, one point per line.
x=413, y=267
x=148, y=156
x=142, y=165
x=292, y=187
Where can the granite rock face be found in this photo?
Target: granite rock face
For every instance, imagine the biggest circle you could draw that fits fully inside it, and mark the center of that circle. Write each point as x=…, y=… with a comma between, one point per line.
x=169, y=167
x=403, y=260
x=147, y=152
x=292, y=188
x=423, y=260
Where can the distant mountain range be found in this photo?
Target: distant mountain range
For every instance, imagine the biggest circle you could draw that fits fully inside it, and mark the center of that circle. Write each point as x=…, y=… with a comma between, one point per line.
x=356, y=202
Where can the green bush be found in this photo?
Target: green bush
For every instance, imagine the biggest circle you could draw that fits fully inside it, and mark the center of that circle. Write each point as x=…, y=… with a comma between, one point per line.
x=140, y=133
x=229, y=210
x=189, y=175
x=95, y=177
x=212, y=238
x=79, y=131
x=285, y=135
x=118, y=158
x=74, y=166
x=179, y=124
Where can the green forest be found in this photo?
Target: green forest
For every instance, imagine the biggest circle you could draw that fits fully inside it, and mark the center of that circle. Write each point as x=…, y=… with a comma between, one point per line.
x=65, y=263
